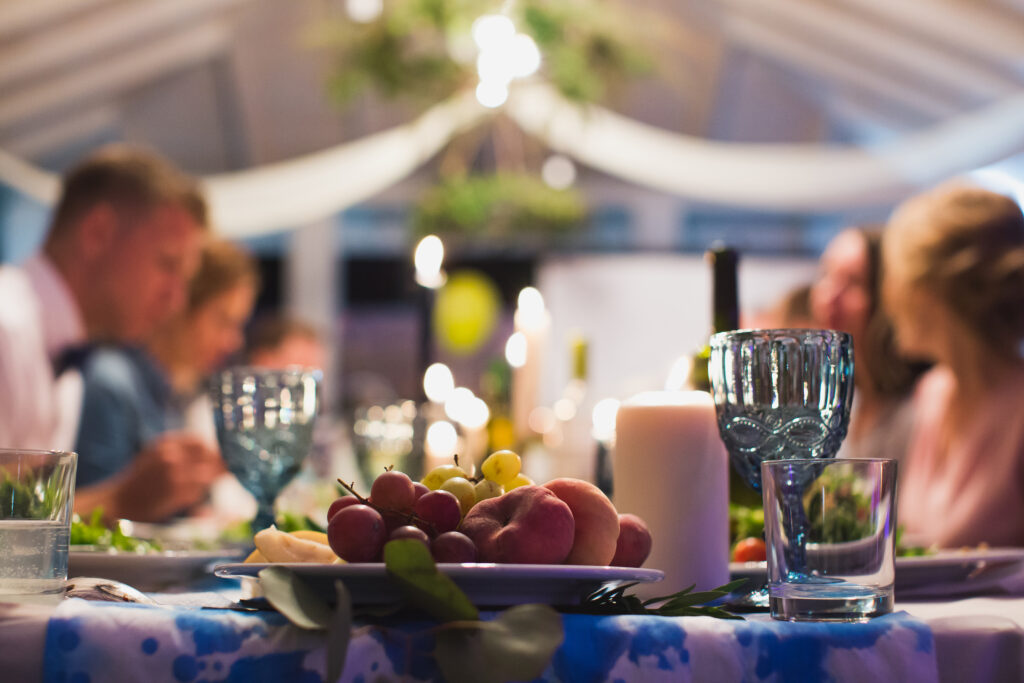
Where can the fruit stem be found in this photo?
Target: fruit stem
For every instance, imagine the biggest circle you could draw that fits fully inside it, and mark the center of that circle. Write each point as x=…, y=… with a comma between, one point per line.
x=410, y=517
x=351, y=488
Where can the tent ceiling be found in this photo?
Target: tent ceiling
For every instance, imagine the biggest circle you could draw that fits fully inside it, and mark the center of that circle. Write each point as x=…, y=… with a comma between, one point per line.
x=76, y=71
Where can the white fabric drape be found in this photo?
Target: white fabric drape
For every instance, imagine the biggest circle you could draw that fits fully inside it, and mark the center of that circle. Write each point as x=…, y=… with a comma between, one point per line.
x=785, y=177
x=777, y=176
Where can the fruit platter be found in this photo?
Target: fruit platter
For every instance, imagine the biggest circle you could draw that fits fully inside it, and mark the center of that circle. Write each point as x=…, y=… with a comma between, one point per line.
x=499, y=536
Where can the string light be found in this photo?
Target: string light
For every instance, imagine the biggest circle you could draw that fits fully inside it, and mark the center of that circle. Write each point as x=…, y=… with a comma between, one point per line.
x=504, y=55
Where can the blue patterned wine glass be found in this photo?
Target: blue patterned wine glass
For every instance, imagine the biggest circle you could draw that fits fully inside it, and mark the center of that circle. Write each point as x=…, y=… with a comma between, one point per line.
x=781, y=394
x=264, y=424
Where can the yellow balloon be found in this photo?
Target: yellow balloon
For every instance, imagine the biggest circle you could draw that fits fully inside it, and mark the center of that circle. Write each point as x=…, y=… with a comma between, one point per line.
x=466, y=312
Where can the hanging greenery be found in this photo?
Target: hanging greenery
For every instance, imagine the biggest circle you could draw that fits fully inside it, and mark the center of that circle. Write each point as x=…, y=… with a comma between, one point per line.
x=423, y=51
x=499, y=206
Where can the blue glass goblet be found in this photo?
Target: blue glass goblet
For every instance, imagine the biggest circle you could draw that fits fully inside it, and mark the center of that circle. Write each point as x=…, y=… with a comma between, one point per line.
x=264, y=424
x=781, y=394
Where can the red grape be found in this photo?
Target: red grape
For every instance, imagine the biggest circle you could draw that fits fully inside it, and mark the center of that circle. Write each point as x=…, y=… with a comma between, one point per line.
x=453, y=546
x=419, y=488
x=393, y=490
x=356, y=533
x=409, y=531
x=342, y=502
x=440, y=510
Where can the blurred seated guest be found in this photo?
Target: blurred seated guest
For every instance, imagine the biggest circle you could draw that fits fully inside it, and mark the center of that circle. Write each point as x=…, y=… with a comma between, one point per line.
x=954, y=286
x=122, y=244
x=207, y=333
x=278, y=341
x=793, y=311
x=134, y=395
x=847, y=296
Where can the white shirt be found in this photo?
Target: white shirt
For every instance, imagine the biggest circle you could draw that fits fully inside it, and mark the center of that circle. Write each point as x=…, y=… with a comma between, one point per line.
x=38, y=319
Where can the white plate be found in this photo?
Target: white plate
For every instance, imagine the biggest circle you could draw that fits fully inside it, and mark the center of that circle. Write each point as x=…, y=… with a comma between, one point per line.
x=912, y=572
x=149, y=571
x=485, y=584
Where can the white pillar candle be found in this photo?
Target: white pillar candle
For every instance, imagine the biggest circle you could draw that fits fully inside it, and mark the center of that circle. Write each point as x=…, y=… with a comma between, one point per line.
x=533, y=321
x=671, y=468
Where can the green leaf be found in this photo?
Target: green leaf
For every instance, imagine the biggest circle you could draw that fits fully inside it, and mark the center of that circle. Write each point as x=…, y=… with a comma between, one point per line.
x=409, y=563
x=294, y=599
x=517, y=646
x=663, y=598
x=339, y=632
x=692, y=599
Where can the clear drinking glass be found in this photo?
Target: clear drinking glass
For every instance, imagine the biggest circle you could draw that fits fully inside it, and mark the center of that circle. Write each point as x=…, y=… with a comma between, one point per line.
x=830, y=531
x=37, y=491
x=264, y=424
x=781, y=394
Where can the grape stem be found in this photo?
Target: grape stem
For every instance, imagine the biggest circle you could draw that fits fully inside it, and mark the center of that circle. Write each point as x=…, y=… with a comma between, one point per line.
x=410, y=517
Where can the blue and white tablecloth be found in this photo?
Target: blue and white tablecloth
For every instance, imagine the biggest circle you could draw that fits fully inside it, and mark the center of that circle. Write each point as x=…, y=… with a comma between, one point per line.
x=88, y=642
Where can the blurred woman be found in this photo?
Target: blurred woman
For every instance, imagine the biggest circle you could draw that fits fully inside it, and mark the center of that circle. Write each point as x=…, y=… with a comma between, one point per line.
x=134, y=396
x=955, y=289
x=846, y=297
x=211, y=328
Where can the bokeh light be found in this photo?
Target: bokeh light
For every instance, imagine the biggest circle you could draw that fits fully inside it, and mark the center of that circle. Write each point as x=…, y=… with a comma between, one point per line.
x=438, y=382
x=428, y=258
x=364, y=11
x=515, y=350
x=558, y=172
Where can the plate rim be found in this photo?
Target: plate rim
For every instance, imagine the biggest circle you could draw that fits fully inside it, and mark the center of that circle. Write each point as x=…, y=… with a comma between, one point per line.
x=455, y=570
x=941, y=558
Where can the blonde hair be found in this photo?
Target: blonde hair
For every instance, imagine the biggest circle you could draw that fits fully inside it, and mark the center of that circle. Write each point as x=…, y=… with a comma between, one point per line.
x=222, y=267
x=965, y=245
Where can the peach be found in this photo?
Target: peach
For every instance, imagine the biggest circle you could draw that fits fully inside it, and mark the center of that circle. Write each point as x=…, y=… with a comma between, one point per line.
x=597, y=521
x=528, y=525
x=634, y=544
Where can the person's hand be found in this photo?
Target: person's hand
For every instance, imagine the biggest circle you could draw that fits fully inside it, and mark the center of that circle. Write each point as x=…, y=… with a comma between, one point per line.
x=170, y=474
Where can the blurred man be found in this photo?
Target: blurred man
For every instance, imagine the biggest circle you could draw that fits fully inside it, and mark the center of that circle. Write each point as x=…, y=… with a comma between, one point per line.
x=123, y=242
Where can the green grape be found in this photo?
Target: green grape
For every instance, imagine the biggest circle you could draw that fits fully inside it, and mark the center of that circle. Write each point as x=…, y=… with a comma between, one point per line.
x=502, y=466
x=519, y=480
x=440, y=475
x=462, y=489
x=486, y=488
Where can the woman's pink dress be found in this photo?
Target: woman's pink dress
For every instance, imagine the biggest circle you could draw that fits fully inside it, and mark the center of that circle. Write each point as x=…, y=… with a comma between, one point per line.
x=971, y=490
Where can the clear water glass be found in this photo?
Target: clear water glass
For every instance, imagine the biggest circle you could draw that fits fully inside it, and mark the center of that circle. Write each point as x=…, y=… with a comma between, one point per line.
x=265, y=424
x=781, y=394
x=37, y=491
x=830, y=532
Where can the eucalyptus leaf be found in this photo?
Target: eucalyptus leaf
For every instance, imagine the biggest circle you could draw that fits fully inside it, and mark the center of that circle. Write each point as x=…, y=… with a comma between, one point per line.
x=294, y=599
x=518, y=645
x=339, y=632
x=681, y=604
x=409, y=563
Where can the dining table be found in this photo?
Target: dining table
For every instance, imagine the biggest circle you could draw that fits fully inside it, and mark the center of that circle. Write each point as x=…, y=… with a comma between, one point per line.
x=198, y=632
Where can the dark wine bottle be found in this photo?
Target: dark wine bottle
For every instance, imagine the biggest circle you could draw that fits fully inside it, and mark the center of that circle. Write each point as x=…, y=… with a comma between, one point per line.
x=725, y=308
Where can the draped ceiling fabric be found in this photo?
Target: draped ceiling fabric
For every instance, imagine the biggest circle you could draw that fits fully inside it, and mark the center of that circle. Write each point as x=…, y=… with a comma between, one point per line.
x=779, y=177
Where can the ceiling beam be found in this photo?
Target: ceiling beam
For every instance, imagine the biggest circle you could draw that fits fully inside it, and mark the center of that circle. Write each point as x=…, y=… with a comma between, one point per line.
x=76, y=126
x=116, y=73
x=816, y=62
x=971, y=28
x=877, y=47
x=72, y=43
x=19, y=16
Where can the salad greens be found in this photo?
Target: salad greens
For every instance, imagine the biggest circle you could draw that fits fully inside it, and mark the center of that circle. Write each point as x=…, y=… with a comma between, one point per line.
x=95, y=533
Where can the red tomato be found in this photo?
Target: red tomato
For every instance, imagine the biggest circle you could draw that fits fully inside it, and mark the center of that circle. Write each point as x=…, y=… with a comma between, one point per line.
x=749, y=550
